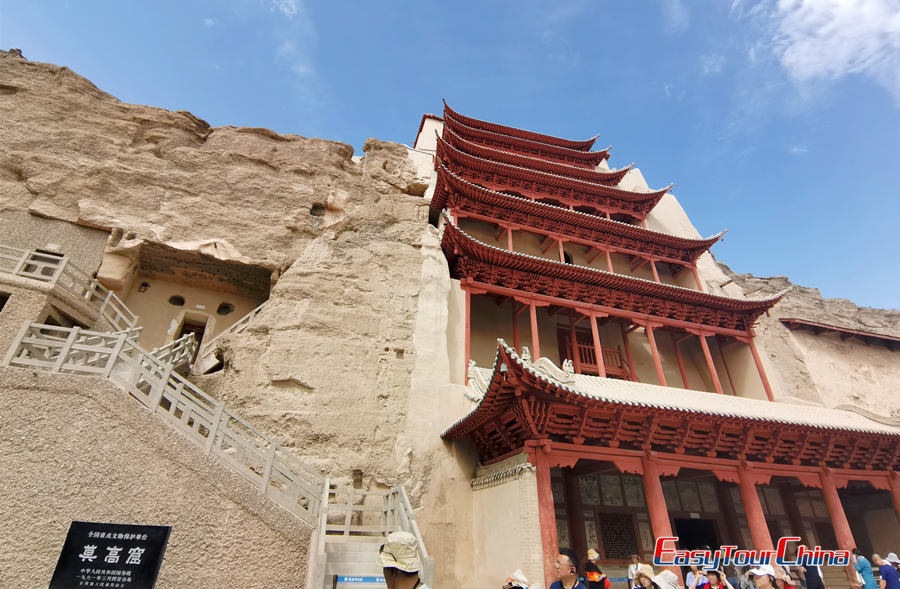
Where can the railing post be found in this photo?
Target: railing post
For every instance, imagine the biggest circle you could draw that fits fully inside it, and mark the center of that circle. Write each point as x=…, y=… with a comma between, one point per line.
x=16, y=343
x=21, y=263
x=59, y=271
x=214, y=427
x=114, y=355
x=157, y=390
x=267, y=472
x=64, y=351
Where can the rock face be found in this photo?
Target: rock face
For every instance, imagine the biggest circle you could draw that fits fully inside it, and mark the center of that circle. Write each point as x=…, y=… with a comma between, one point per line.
x=825, y=368
x=326, y=367
x=73, y=152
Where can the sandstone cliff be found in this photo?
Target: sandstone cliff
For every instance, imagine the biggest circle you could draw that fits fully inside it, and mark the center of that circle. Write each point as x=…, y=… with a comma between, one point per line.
x=326, y=367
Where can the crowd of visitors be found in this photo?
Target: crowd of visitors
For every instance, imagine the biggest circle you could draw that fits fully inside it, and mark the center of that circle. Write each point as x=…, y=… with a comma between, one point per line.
x=767, y=576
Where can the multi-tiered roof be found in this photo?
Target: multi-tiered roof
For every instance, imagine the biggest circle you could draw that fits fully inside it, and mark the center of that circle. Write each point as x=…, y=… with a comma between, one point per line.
x=537, y=183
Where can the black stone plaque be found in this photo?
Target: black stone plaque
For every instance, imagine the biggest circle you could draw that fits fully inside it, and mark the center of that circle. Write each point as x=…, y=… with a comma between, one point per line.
x=119, y=556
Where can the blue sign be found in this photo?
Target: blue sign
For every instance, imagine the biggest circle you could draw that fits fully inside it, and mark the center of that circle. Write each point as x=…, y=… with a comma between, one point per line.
x=341, y=579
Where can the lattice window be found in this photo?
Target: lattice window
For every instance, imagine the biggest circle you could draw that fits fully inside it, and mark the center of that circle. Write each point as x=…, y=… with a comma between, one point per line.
x=618, y=534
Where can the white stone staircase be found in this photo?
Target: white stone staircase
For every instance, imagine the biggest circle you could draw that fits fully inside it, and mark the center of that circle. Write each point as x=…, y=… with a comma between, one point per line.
x=69, y=282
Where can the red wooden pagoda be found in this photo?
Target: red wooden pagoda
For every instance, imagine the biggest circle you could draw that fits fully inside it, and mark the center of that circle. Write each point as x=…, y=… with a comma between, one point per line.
x=543, y=225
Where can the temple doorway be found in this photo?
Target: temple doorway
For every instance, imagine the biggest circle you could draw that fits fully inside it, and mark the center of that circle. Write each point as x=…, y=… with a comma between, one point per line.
x=696, y=533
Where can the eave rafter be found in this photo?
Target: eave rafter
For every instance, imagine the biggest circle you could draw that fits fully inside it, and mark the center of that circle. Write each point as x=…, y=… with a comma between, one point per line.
x=475, y=261
x=544, y=185
x=566, y=415
x=585, y=159
x=577, y=145
x=608, y=177
x=592, y=232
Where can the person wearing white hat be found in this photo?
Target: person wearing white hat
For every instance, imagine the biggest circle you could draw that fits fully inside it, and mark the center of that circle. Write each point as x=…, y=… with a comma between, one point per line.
x=764, y=576
x=399, y=557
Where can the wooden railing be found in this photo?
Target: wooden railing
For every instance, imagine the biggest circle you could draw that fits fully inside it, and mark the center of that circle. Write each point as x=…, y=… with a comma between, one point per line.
x=57, y=270
x=260, y=459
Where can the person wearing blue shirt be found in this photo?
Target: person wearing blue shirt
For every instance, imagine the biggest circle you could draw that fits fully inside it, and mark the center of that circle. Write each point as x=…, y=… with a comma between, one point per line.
x=890, y=579
x=567, y=571
x=864, y=568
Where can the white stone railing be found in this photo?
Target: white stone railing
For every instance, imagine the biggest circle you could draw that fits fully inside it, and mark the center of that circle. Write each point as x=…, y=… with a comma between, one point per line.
x=238, y=326
x=360, y=514
x=178, y=352
x=116, y=356
x=60, y=272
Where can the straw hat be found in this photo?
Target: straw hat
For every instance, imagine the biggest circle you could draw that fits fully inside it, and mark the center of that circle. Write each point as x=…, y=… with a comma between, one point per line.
x=517, y=579
x=593, y=554
x=646, y=570
x=665, y=580
x=399, y=552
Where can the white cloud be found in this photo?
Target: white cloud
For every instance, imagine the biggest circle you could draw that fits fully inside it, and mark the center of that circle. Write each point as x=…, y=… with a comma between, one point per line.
x=830, y=39
x=289, y=8
x=676, y=17
x=673, y=91
x=797, y=149
x=712, y=64
x=296, y=60
x=208, y=22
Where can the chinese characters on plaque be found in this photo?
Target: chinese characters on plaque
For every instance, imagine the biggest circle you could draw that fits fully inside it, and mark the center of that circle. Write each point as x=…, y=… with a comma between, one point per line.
x=117, y=556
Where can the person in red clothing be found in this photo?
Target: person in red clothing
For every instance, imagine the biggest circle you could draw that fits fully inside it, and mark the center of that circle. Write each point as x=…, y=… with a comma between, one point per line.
x=595, y=577
x=717, y=580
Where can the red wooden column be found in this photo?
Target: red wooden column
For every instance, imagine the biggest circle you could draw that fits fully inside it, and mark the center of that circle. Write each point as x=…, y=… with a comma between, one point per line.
x=509, y=241
x=515, y=319
x=697, y=277
x=842, y=532
x=598, y=350
x=895, y=491
x=535, y=340
x=653, y=268
x=756, y=519
x=678, y=357
x=562, y=252
x=657, y=362
x=656, y=504
x=759, y=367
x=546, y=511
x=468, y=331
x=609, y=265
x=631, y=372
x=709, y=363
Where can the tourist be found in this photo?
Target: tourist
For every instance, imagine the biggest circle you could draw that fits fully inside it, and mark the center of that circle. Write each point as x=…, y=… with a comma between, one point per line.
x=811, y=574
x=695, y=579
x=595, y=577
x=566, y=571
x=717, y=580
x=890, y=579
x=864, y=569
x=632, y=570
x=643, y=577
x=517, y=580
x=399, y=558
x=665, y=580
x=892, y=558
x=783, y=578
x=763, y=577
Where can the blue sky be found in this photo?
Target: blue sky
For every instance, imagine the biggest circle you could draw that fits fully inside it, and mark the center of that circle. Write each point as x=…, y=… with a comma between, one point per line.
x=778, y=120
